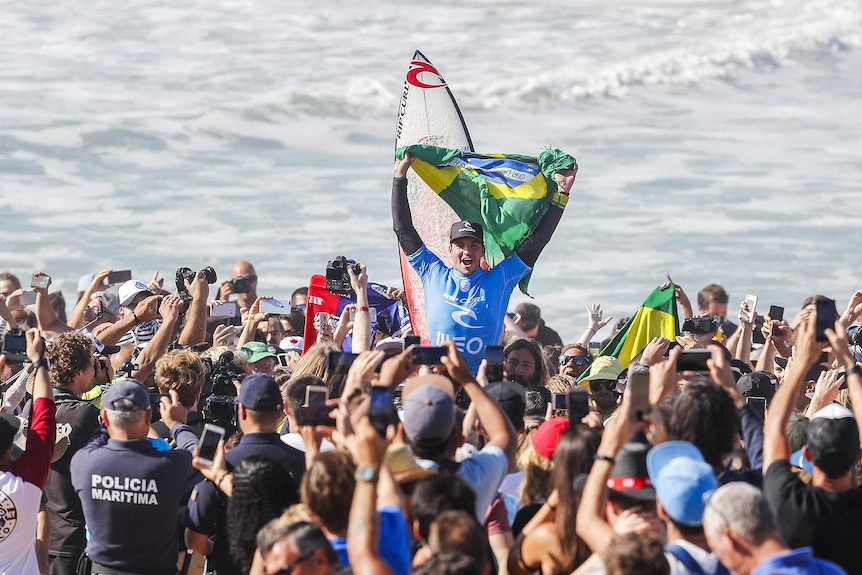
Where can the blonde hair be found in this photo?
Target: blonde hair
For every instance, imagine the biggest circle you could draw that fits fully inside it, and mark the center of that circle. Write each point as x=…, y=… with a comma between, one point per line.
x=536, y=485
x=182, y=371
x=560, y=383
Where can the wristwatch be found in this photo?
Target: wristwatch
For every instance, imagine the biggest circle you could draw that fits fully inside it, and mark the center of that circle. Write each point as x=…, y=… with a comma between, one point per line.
x=366, y=473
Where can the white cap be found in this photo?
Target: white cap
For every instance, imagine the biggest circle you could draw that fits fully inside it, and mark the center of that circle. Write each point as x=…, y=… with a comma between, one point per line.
x=130, y=289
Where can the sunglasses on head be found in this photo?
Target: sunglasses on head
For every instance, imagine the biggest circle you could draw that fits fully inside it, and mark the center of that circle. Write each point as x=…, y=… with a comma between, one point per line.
x=578, y=359
x=597, y=385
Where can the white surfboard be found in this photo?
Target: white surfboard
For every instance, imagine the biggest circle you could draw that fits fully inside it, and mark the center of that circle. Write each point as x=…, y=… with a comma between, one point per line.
x=427, y=114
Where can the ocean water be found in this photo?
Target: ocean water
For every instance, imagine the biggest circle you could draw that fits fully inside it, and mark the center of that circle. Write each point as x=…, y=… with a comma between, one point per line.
x=717, y=140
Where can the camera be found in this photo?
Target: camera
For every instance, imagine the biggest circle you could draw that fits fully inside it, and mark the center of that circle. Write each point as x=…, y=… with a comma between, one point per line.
x=188, y=275
x=220, y=404
x=854, y=335
x=337, y=278
x=14, y=345
x=700, y=325
x=240, y=284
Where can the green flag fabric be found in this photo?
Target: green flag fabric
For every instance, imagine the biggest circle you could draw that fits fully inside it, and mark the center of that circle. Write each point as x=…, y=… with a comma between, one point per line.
x=507, y=193
x=657, y=317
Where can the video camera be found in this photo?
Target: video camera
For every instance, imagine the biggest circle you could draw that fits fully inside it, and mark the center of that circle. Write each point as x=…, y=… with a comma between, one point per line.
x=220, y=405
x=700, y=325
x=188, y=275
x=337, y=278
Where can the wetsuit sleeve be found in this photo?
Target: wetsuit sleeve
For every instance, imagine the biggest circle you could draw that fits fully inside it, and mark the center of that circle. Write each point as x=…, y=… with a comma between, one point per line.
x=402, y=220
x=530, y=250
x=34, y=463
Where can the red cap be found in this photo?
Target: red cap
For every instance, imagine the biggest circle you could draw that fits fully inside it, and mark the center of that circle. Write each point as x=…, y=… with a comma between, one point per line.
x=545, y=438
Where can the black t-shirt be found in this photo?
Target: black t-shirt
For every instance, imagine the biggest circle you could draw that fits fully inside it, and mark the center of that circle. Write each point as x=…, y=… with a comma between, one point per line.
x=829, y=522
x=81, y=420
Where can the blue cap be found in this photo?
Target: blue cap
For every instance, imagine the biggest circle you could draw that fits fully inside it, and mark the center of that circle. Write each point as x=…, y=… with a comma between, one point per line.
x=681, y=479
x=798, y=460
x=126, y=395
x=260, y=393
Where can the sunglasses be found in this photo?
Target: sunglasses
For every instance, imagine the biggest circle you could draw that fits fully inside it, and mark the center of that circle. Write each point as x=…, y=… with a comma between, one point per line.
x=580, y=360
x=291, y=567
x=597, y=385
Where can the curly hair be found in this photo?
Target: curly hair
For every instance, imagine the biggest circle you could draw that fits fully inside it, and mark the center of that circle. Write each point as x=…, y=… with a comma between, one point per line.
x=541, y=371
x=327, y=489
x=262, y=489
x=182, y=371
x=69, y=354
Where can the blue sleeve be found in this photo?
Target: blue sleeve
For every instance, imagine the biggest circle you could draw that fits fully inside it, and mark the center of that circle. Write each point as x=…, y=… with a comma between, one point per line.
x=423, y=261
x=394, y=546
x=751, y=423
x=202, y=512
x=184, y=437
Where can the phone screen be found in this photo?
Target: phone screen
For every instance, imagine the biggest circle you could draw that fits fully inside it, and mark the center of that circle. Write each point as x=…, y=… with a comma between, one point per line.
x=118, y=276
x=316, y=395
x=559, y=401
x=750, y=304
x=273, y=307
x=428, y=355
x=595, y=348
x=380, y=411
x=638, y=389
x=226, y=309
x=758, y=403
x=826, y=316
x=412, y=340
x=339, y=361
x=208, y=443
x=494, y=357
x=693, y=360
x=776, y=312
x=578, y=404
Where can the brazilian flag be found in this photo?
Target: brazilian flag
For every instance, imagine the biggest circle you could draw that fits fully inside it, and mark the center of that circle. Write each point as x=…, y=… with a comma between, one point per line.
x=657, y=317
x=507, y=193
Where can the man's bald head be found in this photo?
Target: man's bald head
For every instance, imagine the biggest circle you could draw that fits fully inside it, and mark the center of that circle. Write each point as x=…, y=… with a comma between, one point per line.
x=242, y=268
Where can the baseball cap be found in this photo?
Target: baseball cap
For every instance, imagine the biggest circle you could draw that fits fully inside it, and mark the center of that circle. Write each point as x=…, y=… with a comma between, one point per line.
x=547, y=436
x=757, y=384
x=126, y=395
x=260, y=393
x=629, y=476
x=510, y=398
x=466, y=229
x=833, y=433
x=796, y=431
x=390, y=345
x=681, y=479
x=291, y=343
x=429, y=408
x=604, y=367
x=130, y=289
x=256, y=351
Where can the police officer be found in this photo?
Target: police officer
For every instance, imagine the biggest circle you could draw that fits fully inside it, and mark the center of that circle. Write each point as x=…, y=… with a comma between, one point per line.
x=131, y=488
x=259, y=412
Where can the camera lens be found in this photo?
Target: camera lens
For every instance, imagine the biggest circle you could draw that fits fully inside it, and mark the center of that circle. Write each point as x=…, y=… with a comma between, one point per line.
x=210, y=274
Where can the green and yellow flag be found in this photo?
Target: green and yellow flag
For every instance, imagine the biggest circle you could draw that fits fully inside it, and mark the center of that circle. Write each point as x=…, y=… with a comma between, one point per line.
x=657, y=317
x=507, y=193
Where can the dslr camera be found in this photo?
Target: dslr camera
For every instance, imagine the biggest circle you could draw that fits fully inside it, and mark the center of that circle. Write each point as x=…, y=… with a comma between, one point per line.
x=240, y=284
x=337, y=278
x=700, y=325
x=854, y=335
x=188, y=275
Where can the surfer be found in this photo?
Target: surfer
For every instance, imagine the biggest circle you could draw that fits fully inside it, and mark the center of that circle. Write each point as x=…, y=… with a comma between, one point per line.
x=465, y=303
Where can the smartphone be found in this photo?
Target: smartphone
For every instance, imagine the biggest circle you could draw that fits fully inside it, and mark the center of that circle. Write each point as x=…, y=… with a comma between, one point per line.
x=380, y=411
x=559, y=402
x=208, y=443
x=40, y=282
x=282, y=359
x=595, y=347
x=412, y=340
x=750, y=303
x=428, y=355
x=27, y=298
x=118, y=276
x=826, y=316
x=638, y=389
x=226, y=309
x=494, y=357
x=693, y=360
x=273, y=307
x=776, y=312
x=316, y=395
x=339, y=361
x=577, y=404
x=758, y=403
x=15, y=345
x=315, y=415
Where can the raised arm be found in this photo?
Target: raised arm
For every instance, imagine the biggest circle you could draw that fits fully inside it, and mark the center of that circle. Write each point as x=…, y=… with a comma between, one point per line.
x=170, y=309
x=838, y=341
x=146, y=310
x=195, y=329
x=402, y=219
x=362, y=319
x=532, y=247
x=47, y=318
x=596, y=323
x=76, y=318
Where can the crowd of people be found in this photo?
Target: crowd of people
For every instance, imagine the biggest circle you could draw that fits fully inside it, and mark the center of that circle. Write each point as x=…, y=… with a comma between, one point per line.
x=747, y=464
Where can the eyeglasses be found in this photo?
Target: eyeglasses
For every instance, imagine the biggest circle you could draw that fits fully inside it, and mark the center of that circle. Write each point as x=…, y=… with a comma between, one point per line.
x=579, y=360
x=598, y=384
x=290, y=567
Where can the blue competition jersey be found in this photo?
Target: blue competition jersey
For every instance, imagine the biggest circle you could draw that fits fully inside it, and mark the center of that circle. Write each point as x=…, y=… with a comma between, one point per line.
x=468, y=310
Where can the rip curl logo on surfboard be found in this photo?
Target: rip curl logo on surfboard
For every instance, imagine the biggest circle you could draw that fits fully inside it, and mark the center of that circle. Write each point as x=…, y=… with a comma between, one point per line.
x=419, y=67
